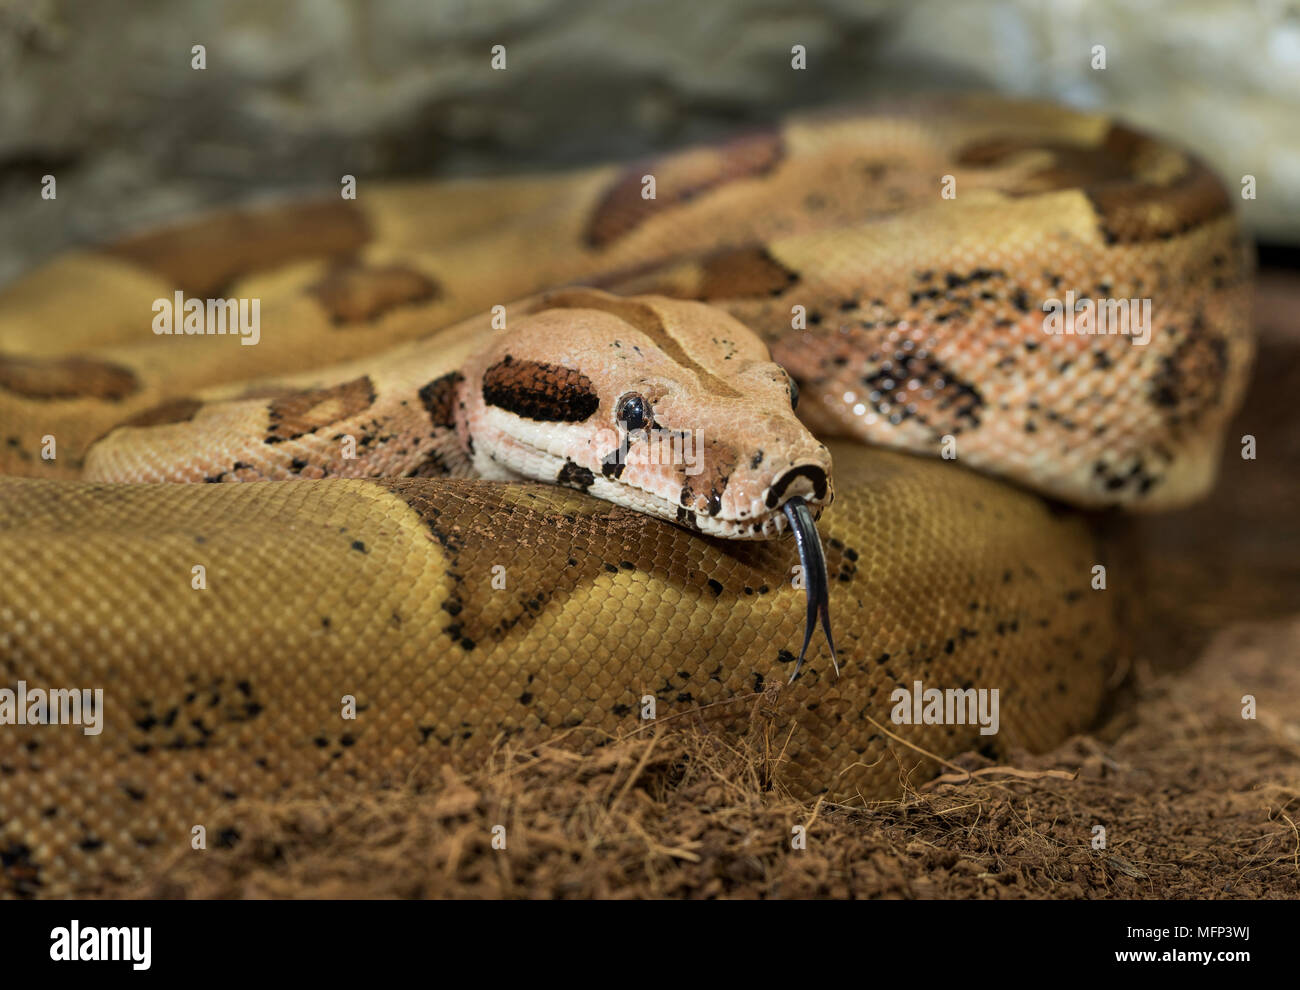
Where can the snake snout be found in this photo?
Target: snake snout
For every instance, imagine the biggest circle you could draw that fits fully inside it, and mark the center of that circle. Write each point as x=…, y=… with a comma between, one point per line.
x=806, y=481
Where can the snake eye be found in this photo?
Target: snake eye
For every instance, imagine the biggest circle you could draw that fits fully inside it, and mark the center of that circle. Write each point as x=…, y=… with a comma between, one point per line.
x=633, y=412
x=794, y=394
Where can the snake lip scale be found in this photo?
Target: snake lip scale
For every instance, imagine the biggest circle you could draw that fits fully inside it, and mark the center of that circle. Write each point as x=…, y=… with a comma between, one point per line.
x=462, y=514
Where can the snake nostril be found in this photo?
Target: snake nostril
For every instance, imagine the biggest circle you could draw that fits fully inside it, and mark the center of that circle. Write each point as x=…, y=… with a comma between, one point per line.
x=814, y=474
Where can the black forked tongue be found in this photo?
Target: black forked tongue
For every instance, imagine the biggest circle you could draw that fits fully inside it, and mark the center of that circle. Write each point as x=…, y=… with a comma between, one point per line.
x=816, y=585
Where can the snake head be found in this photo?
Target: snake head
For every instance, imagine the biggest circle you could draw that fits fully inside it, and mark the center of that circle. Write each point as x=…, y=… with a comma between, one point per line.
x=671, y=408
x=668, y=407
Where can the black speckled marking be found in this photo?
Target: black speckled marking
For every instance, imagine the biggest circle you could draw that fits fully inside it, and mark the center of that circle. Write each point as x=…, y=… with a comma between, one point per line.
x=438, y=398
x=810, y=471
x=1189, y=380
x=720, y=460
x=956, y=404
x=575, y=476
x=612, y=464
x=1135, y=476
x=21, y=872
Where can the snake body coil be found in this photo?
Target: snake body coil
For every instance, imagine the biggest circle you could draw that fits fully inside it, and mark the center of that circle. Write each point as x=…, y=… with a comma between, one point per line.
x=226, y=623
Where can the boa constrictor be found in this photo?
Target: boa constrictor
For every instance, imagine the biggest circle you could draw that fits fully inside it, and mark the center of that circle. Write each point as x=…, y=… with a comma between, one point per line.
x=895, y=262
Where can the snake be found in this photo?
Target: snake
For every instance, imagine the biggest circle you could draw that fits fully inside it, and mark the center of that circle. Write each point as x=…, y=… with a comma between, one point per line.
x=514, y=457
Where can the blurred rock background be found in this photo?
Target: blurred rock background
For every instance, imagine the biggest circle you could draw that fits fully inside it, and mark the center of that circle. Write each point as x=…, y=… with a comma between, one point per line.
x=296, y=93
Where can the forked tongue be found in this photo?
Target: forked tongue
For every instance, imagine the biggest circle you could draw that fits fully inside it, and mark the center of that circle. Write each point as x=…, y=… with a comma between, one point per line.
x=816, y=585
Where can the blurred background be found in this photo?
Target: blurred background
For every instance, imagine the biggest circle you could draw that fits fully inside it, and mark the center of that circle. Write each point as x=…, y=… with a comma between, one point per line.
x=296, y=93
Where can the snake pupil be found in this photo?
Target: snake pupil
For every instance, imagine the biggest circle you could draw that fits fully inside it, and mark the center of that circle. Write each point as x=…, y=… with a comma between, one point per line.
x=633, y=412
x=794, y=394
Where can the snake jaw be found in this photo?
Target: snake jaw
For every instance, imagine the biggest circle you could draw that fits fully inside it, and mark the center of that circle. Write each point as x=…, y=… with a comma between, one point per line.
x=816, y=582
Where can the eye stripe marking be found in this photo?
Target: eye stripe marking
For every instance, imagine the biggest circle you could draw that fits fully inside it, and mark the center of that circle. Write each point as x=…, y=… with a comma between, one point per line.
x=547, y=393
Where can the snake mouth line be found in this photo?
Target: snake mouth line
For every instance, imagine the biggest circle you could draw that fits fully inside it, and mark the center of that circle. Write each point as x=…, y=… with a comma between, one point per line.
x=816, y=583
x=765, y=521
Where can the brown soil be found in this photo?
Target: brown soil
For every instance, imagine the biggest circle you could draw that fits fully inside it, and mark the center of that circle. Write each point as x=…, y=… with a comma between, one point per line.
x=1195, y=800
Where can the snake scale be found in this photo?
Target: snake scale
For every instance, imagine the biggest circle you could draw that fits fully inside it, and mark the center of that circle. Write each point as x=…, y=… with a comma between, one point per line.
x=422, y=343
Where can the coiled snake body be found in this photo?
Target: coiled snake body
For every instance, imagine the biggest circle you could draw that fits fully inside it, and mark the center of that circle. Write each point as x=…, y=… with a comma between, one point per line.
x=896, y=263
